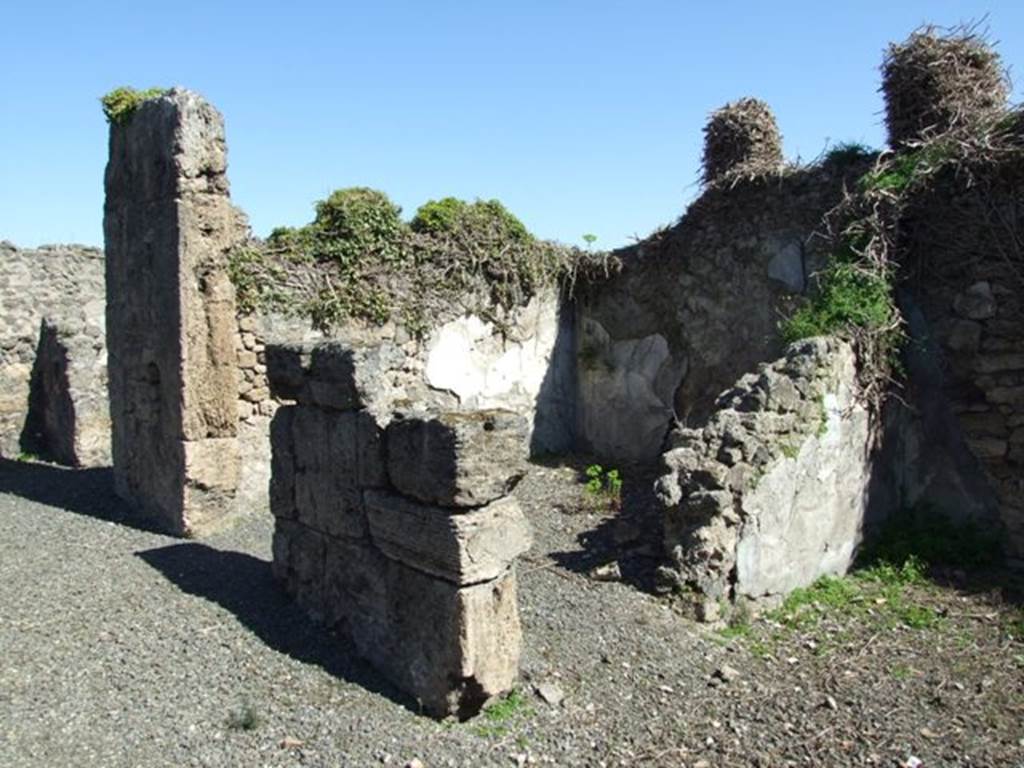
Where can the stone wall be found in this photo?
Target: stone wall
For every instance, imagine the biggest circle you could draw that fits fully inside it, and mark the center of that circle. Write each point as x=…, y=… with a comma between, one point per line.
x=966, y=281
x=168, y=224
x=696, y=306
x=773, y=491
x=53, y=400
x=396, y=526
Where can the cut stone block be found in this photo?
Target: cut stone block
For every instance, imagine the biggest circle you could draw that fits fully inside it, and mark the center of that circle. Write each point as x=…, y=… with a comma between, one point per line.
x=331, y=375
x=299, y=563
x=457, y=459
x=321, y=461
x=452, y=648
x=467, y=548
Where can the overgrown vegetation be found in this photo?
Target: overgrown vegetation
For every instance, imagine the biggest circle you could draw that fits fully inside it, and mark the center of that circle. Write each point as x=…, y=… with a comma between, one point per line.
x=847, y=154
x=121, y=103
x=358, y=260
x=944, y=146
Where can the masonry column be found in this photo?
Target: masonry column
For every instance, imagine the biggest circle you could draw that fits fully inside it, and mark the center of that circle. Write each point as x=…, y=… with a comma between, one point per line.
x=168, y=224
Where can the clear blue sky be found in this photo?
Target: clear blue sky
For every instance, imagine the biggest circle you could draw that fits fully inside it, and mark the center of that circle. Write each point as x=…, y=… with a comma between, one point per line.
x=581, y=116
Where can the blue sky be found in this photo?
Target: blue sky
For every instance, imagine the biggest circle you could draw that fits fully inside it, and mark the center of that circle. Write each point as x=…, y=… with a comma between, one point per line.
x=580, y=116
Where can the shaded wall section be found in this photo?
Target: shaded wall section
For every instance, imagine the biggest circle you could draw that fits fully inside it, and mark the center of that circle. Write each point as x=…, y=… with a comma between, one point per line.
x=695, y=306
x=51, y=299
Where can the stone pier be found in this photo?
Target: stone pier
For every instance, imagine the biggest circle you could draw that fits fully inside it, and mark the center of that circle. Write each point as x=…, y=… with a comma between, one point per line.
x=399, y=528
x=168, y=224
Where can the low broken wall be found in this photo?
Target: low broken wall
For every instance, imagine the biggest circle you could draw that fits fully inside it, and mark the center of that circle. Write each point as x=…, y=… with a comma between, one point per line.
x=397, y=527
x=52, y=355
x=774, y=491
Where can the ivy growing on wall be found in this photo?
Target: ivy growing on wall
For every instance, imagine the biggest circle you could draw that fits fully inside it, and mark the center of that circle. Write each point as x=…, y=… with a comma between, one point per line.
x=358, y=260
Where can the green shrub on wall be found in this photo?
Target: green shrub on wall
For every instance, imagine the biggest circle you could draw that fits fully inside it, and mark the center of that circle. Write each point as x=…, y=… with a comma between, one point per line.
x=358, y=260
x=121, y=103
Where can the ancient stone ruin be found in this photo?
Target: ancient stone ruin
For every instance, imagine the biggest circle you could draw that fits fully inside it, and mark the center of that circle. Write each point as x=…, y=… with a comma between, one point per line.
x=171, y=323
x=385, y=422
x=53, y=362
x=401, y=532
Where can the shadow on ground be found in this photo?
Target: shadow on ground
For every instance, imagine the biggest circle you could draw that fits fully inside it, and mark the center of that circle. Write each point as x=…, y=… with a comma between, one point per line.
x=245, y=586
x=628, y=538
x=88, y=492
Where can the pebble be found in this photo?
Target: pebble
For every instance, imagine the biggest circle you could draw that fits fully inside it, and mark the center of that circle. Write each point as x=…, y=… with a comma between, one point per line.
x=727, y=674
x=551, y=693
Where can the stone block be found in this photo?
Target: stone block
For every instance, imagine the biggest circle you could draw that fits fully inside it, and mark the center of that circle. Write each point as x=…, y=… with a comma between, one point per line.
x=976, y=303
x=331, y=375
x=450, y=647
x=170, y=313
x=327, y=492
x=299, y=563
x=457, y=459
x=466, y=548
x=282, y=465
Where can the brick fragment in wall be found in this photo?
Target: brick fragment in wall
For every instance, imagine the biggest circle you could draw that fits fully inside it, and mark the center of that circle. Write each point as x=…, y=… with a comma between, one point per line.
x=256, y=395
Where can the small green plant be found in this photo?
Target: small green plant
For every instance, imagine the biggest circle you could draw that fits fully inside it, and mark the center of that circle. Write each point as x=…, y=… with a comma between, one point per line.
x=900, y=672
x=245, y=718
x=498, y=716
x=589, y=239
x=901, y=170
x=121, y=103
x=28, y=457
x=604, y=486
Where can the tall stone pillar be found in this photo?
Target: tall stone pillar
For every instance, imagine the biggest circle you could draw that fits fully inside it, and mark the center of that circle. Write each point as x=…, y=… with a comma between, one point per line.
x=168, y=224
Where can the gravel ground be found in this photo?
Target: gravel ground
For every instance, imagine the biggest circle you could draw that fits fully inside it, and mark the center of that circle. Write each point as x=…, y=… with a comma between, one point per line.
x=122, y=647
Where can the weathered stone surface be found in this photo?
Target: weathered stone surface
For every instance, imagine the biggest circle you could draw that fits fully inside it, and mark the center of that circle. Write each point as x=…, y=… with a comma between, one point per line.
x=457, y=459
x=977, y=302
x=168, y=224
x=771, y=493
x=53, y=399
x=787, y=267
x=322, y=460
x=693, y=308
x=451, y=647
x=68, y=419
x=332, y=374
x=466, y=548
x=531, y=371
x=626, y=390
x=300, y=556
